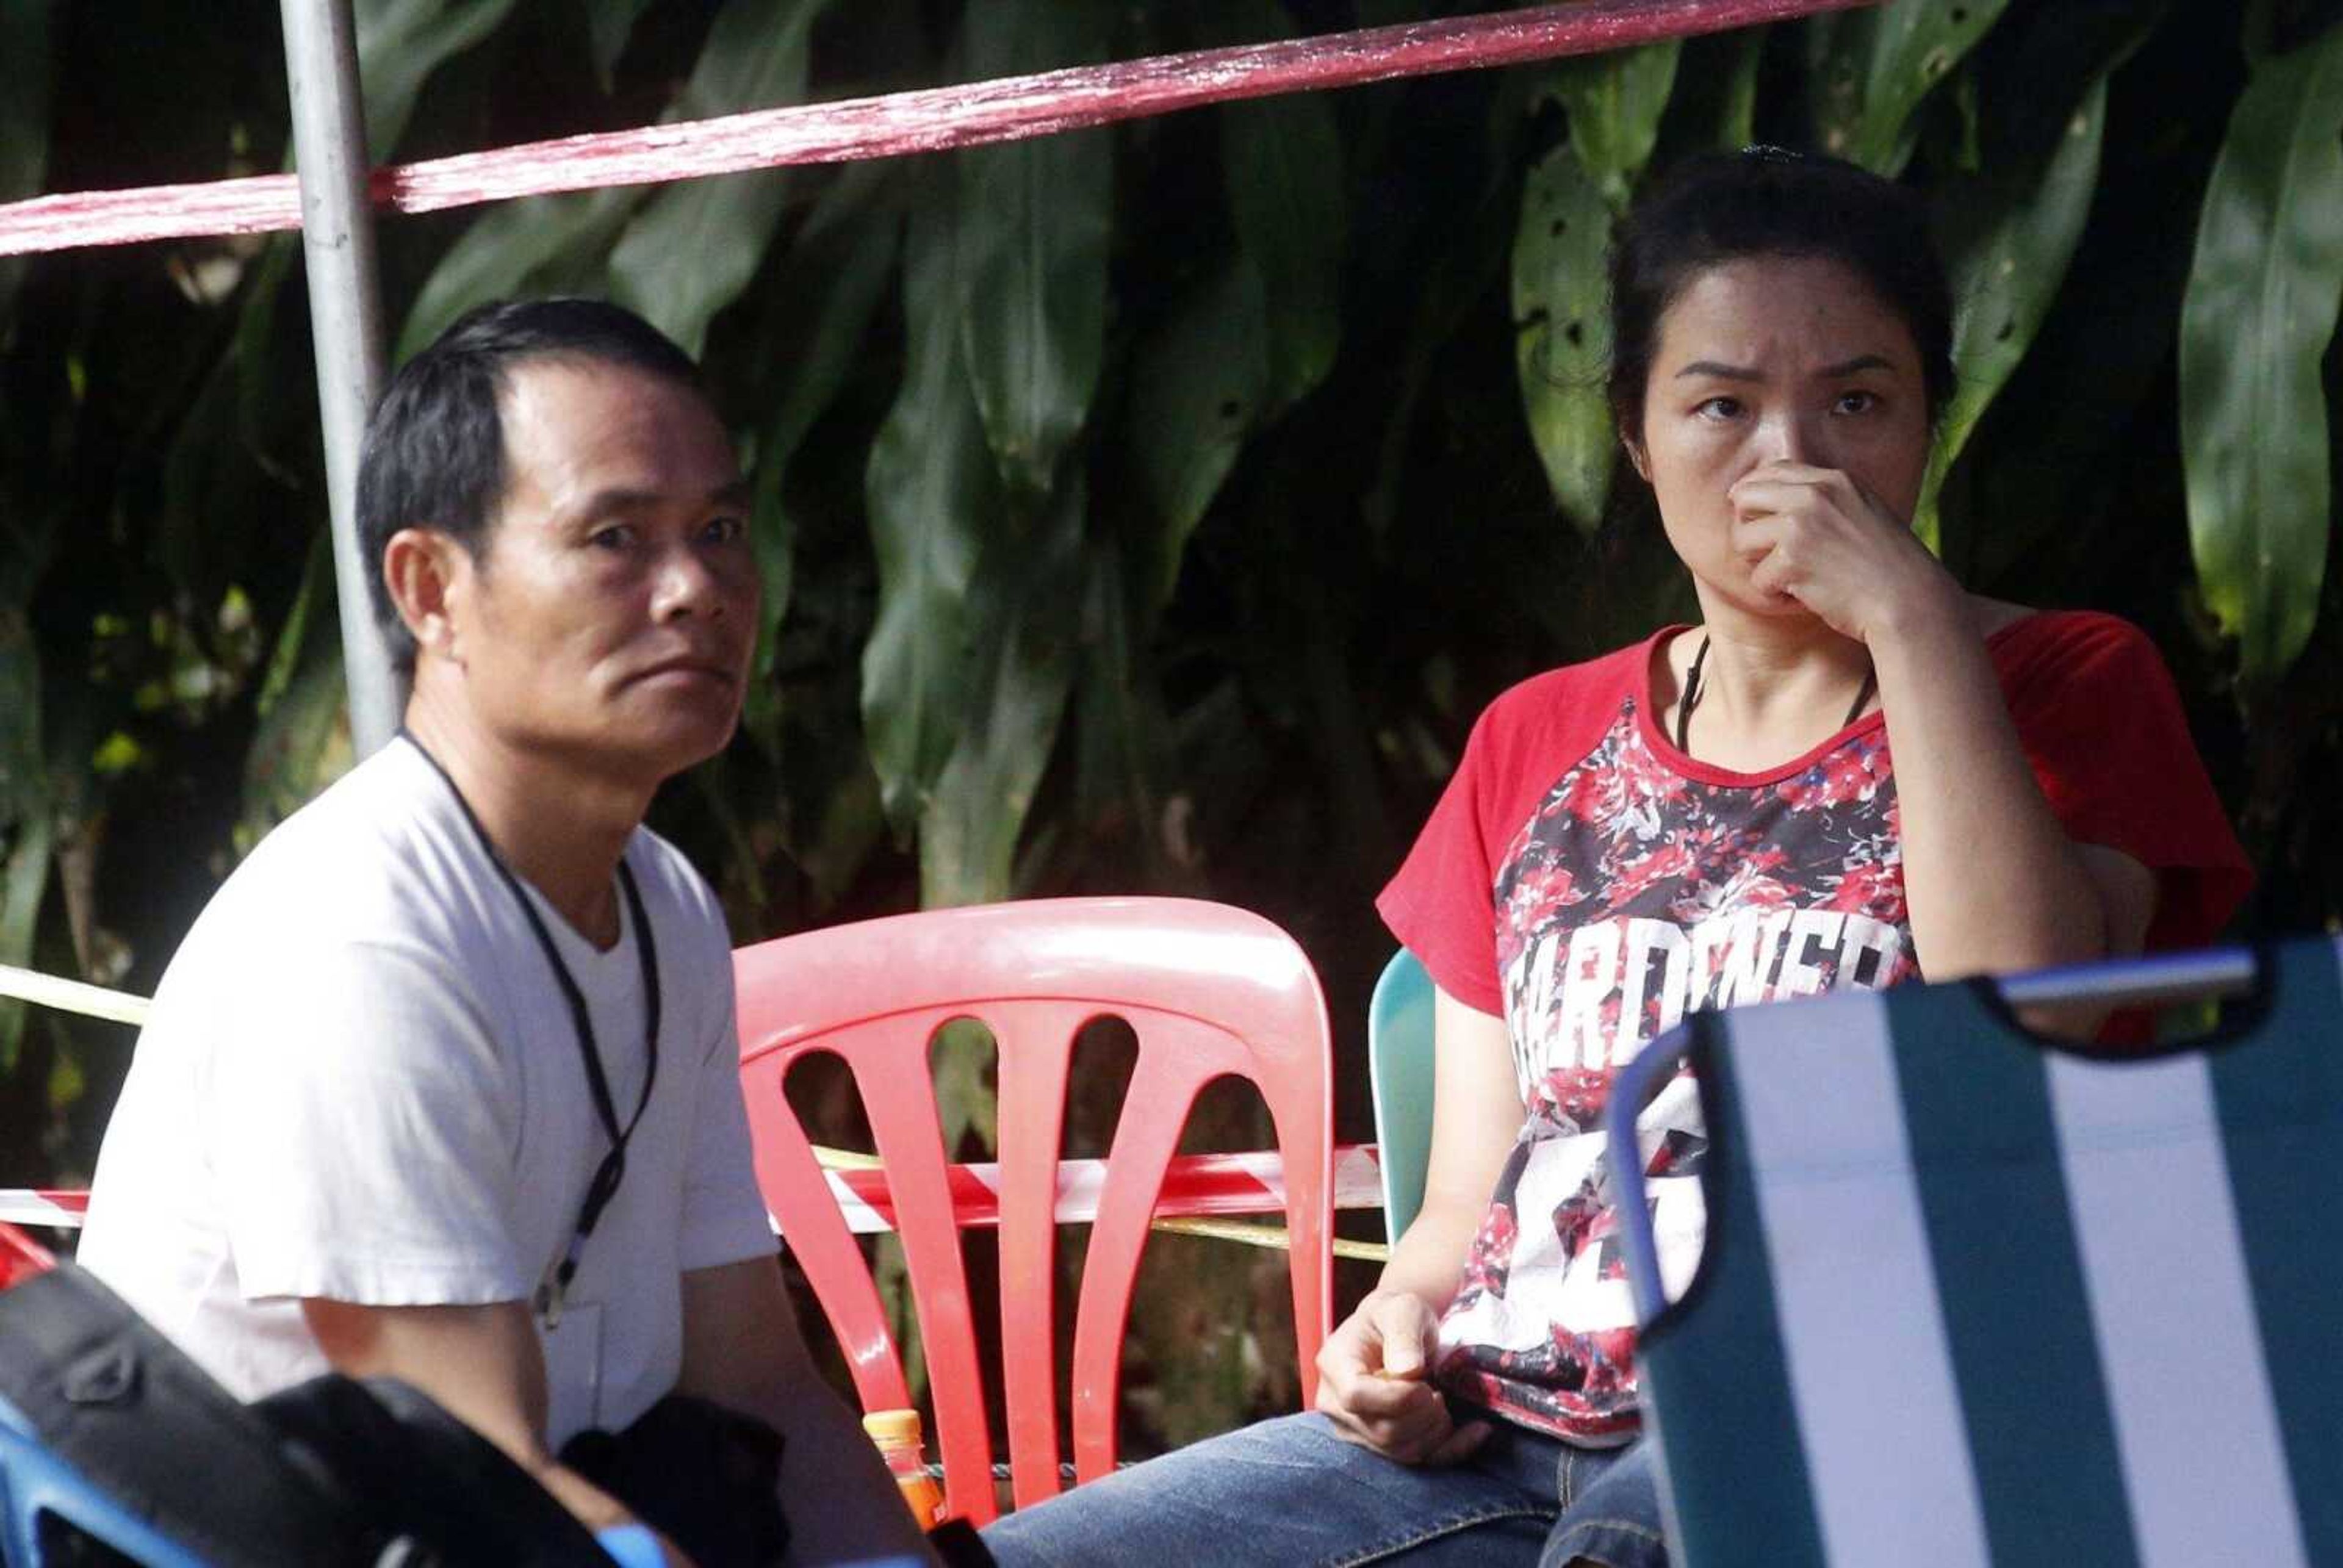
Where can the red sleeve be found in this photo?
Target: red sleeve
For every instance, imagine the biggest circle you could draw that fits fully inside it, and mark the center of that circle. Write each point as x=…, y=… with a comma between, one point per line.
x=1442, y=903
x=2102, y=724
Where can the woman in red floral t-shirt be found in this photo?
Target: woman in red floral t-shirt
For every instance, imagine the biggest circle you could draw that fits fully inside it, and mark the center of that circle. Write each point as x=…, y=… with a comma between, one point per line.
x=1850, y=773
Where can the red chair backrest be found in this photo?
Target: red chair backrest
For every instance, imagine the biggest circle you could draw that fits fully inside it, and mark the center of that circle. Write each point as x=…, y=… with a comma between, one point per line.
x=21, y=1257
x=1209, y=991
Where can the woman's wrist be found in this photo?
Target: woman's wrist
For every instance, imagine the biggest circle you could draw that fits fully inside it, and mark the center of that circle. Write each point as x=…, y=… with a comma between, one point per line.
x=1928, y=615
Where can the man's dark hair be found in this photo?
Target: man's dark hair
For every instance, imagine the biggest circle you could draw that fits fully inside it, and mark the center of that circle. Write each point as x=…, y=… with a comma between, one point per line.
x=435, y=449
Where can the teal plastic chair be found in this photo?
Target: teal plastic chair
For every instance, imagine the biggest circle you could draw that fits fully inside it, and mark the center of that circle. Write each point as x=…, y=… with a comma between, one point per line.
x=1399, y=1071
x=1967, y=1296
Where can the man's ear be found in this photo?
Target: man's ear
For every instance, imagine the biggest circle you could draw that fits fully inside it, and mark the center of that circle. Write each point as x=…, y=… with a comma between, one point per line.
x=426, y=573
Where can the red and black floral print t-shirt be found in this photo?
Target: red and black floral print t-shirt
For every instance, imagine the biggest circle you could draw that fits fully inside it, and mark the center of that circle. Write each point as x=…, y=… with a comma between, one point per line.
x=1591, y=884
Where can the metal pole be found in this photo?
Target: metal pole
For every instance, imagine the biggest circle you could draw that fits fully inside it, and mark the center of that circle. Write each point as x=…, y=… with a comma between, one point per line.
x=321, y=66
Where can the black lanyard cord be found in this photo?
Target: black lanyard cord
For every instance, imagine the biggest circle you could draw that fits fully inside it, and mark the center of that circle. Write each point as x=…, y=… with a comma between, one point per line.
x=604, y=1185
x=1692, y=695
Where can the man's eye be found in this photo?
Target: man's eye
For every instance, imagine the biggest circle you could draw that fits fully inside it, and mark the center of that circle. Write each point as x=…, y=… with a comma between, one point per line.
x=612, y=536
x=1857, y=402
x=1719, y=408
x=726, y=530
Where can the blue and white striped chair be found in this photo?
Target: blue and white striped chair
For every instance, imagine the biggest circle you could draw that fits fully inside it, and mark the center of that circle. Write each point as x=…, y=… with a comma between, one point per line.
x=1969, y=1297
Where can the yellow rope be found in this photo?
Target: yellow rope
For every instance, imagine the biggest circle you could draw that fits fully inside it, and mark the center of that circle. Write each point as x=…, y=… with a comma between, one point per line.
x=122, y=1006
x=72, y=996
x=1268, y=1236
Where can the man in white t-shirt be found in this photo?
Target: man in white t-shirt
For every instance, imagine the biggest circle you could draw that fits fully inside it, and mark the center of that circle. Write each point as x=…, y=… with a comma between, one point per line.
x=443, y=1085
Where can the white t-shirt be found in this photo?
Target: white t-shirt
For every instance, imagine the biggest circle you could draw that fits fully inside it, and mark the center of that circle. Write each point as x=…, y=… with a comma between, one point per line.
x=361, y=1081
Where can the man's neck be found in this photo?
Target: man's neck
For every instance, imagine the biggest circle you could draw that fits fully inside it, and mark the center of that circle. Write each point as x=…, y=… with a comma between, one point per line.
x=561, y=828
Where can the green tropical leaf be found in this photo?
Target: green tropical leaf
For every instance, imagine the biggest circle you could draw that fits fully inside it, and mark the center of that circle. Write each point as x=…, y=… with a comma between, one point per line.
x=1614, y=102
x=1282, y=160
x=609, y=24
x=23, y=884
x=1025, y=588
x=2260, y=313
x=692, y=248
x=933, y=500
x=1714, y=103
x=838, y=272
x=25, y=822
x=23, y=791
x=2013, y=237
x=1559, y=331
x=726, y=801
x=1452, y=294
x=401, y=44
x=2028, y=84
x=1874, y=68
x=1200, y=385
x=303, y=742
x=1122, y=735
x=1034, y=220
x=1736, y=120
x=537, y=245
x=23, y=121
x=267, y=401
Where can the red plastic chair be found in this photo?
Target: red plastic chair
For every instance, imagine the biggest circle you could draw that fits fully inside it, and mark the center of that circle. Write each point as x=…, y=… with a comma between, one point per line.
x=21, y=1257
x=1208, y=990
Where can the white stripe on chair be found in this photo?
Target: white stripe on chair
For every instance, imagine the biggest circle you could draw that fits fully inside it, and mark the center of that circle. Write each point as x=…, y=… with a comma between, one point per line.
x=1879, y=1407
x=2156, y=1226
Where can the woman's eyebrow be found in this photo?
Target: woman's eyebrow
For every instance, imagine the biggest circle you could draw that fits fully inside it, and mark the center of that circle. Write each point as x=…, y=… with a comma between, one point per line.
x=1745, y=373
x=1722, y=371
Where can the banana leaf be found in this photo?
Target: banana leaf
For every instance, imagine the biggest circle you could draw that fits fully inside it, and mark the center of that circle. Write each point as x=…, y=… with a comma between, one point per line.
x=24, y=123
x=2016, y=234
x=1560, y=332
x=838, y=274
x=2257, y=321
x=401, y=44
x=1025, y=589
x=1200, y=386
x=1873, y=68
x=1034, y=222
x=933, y=498
x=688, y=252
x=1614, y=102
x=1283, y=162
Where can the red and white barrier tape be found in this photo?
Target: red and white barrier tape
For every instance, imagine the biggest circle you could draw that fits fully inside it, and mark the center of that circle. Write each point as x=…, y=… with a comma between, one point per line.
x=27, y=1206
x=1195, y=1185
x=927, y=120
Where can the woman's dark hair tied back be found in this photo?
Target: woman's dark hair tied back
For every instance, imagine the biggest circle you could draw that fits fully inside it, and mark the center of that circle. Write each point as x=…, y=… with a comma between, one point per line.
x=1765, y=200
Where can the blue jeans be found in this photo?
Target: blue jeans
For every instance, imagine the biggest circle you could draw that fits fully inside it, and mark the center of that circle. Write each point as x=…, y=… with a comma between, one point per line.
x=1290, y=1493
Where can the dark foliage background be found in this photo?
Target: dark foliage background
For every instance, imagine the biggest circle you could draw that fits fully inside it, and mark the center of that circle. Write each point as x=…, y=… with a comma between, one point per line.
x=1144, y=509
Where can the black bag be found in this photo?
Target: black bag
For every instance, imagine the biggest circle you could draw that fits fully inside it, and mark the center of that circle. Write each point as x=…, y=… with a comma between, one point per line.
x=707, y=1478
x=153, y=1434
x=417, y=1471
x=327, y=1473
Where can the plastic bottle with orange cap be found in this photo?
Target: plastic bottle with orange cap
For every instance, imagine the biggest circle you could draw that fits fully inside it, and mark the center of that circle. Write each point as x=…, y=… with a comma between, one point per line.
x=897, y=1434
